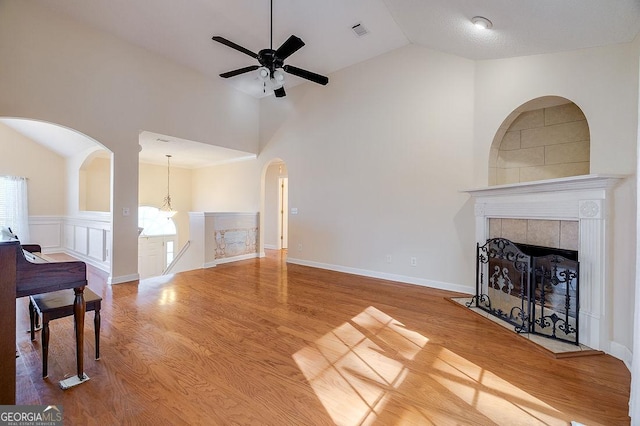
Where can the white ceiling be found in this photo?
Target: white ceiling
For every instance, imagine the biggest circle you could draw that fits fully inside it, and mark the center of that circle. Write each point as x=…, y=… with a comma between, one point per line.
x=154, y=147
x=185, y=153
x=182, y=31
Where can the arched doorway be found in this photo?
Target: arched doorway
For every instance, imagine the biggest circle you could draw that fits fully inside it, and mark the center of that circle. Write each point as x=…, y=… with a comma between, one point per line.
x=276, y=197
x=67, y=213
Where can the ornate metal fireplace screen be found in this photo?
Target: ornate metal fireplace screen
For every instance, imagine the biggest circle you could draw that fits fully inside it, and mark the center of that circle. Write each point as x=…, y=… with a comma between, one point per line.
x=537, y=294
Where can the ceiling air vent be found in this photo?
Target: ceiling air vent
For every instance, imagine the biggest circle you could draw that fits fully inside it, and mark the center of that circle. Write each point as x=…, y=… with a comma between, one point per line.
x=360, y=30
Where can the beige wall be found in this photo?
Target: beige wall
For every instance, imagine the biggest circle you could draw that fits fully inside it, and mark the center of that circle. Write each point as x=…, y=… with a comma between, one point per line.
x=233, y=187
x=152, y=188
x=45, y=170
x=95, y=185
x=545, y=143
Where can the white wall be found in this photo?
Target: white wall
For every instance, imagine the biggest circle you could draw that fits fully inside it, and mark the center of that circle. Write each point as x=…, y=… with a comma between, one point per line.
x=603, y=82
x=57, y=70
x=634, y=401
x=376, y=160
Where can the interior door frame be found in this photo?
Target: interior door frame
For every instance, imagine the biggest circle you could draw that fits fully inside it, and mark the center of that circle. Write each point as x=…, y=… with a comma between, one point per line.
x=283, y=216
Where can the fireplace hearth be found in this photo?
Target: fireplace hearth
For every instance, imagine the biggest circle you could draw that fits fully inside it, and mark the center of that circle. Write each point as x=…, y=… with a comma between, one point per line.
x=535, y=289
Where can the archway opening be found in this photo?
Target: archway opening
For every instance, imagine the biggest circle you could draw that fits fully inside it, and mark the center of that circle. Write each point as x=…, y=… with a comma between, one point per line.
x=276, y=205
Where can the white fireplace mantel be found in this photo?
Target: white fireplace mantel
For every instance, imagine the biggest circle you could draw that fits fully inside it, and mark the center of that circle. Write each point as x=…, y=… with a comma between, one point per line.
x=584, y=199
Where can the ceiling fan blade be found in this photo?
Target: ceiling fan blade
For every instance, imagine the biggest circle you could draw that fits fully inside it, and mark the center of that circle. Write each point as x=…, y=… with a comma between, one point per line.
x=239, y=71
x=311, y=76
x=289, y=47
x=234, y=46
x=280, y=93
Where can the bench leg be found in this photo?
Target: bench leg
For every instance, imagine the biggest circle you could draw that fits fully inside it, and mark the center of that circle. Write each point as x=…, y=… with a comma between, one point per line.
x=96, y=327
x=45, y=347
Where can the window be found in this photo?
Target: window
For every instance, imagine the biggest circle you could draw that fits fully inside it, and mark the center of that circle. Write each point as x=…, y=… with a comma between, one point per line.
x=14, y=206
x=153, y=223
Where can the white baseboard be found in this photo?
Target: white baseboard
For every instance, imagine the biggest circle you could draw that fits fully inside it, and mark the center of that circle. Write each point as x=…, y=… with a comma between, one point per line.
x=271, y=247
x=385, y=276
x=236, y=258
x=621, y=352
x=123, y=279
x=216, y=262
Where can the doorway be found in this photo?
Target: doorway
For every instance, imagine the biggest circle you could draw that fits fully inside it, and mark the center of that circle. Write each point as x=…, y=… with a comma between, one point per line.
x=156, y=242
x=276, y=206
x=283, y=217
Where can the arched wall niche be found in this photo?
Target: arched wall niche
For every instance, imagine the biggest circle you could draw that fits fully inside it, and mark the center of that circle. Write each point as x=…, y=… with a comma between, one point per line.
x=544, y=138
x=95, y=182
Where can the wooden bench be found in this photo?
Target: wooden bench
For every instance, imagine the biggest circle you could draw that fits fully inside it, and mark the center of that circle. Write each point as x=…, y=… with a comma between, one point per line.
x=59, y=304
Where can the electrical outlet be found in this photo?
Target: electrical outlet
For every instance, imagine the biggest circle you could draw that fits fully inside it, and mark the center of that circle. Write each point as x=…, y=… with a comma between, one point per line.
x=299, y=246
x=125, y=211
x=388, y=258
x=414, y=261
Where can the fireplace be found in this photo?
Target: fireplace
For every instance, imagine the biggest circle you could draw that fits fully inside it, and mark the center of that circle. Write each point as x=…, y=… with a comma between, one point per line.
x=581, y=203
x=533, y=288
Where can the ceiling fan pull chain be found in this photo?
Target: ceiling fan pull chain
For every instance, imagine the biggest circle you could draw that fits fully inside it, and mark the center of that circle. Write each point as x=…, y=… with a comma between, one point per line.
x=271, y=42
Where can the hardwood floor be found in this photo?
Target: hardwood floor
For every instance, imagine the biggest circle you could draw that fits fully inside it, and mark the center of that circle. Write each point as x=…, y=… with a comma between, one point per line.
x=264, y=342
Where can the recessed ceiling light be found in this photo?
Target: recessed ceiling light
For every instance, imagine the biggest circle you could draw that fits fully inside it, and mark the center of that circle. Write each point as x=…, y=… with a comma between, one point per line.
x=481, y=22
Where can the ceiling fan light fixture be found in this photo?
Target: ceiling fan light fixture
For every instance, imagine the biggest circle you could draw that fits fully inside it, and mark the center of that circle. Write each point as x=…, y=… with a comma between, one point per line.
x=263, y=73
x=481, y=22
x=278, y=77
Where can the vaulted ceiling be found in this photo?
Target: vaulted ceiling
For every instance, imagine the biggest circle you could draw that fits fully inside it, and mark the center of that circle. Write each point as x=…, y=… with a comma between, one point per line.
x=181, y=31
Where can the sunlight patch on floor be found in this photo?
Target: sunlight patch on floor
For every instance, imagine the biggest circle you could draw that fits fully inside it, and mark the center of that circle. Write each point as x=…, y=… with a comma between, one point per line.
x=354, y=368
x=490, y=395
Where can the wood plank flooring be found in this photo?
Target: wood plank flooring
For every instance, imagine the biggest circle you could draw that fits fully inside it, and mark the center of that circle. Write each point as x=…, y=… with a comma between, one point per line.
x=268, y=343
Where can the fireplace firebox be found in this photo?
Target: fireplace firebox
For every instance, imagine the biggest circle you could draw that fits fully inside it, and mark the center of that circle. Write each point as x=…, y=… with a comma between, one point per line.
x=536, y=289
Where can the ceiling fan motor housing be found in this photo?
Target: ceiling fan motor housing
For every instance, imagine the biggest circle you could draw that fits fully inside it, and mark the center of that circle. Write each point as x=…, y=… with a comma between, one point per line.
x=268, y=58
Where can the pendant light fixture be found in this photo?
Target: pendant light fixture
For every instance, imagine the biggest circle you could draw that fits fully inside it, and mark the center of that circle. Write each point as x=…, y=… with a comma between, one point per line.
x=166, y=210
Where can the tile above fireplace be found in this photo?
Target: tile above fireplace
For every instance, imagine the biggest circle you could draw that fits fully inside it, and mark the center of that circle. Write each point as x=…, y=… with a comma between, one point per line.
x=569, y=212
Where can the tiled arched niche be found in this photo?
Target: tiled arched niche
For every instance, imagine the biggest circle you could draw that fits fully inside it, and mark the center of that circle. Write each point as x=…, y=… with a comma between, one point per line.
x=545, y=138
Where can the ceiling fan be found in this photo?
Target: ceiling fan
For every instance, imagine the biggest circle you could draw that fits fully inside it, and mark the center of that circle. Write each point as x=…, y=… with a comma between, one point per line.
x=272, y=63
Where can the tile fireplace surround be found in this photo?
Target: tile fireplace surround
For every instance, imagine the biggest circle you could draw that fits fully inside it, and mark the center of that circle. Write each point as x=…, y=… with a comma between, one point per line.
x=584, y=199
